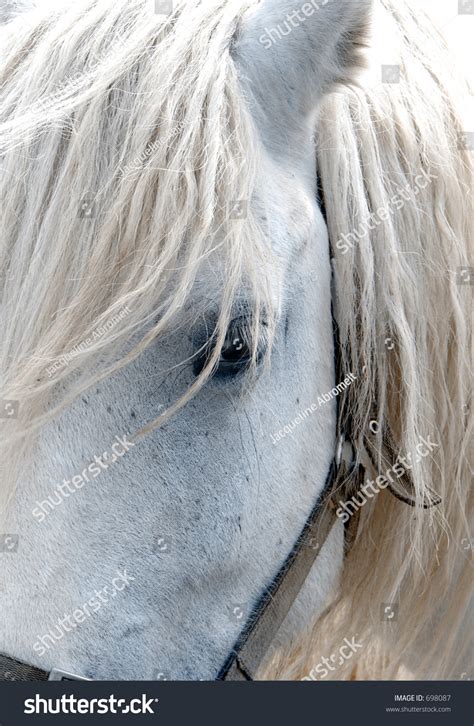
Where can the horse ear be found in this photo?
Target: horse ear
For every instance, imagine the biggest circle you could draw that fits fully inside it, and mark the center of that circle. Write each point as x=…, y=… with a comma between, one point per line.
x=291, y=53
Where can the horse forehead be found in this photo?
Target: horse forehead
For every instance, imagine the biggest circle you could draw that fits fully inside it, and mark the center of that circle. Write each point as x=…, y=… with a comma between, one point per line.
x=285, y=200
x=286, y=211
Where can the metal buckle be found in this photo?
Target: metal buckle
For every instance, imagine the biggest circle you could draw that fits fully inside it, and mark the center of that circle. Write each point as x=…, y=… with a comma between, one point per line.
x=345, y=452
x=338, y=450
x=58, y=675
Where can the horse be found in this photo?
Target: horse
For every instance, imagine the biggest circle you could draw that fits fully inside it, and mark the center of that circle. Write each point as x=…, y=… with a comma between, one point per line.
x=232, y=229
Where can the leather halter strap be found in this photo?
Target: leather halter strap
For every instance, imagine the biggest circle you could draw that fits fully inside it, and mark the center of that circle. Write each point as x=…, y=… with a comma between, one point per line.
x=256, y=639
x=15, y=670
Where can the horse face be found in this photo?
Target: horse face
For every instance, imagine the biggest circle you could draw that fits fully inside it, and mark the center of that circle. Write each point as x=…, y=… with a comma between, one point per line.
x=202, y=512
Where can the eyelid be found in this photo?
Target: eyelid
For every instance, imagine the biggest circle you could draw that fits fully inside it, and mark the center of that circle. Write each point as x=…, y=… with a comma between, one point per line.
x=232, y=368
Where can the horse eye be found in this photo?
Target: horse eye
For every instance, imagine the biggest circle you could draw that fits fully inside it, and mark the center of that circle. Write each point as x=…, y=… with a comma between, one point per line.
x=235, y=349
x=236, y=354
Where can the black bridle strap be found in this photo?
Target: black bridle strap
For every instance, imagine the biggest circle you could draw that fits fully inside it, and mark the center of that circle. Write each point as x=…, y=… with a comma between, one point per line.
x=15, y=670
x=256, y=639
x=12, y=669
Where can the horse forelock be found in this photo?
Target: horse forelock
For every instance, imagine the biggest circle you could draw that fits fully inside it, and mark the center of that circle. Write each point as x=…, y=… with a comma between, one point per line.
x=136, y=133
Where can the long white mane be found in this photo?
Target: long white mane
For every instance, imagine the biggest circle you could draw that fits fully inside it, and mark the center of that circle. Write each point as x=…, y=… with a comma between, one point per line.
x=397, y=181
x=121, y=86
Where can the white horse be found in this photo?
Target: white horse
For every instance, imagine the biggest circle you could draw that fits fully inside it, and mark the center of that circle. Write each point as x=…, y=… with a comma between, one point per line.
x=167, y=353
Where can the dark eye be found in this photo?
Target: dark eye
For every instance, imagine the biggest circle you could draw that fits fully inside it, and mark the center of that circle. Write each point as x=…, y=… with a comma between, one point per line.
x=236, y=353
x=236, y=350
